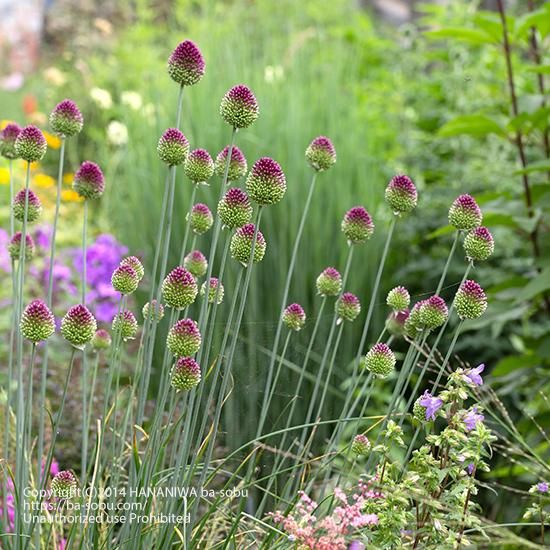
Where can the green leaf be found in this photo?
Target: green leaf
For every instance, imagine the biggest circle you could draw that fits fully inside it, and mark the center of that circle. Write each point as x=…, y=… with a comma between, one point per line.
x=473, y=125
x=538, y=18
x=472, y=36
x=445, y=230
x=514, y=362
x=539, y=166
x=535, y=286
x=542, y=69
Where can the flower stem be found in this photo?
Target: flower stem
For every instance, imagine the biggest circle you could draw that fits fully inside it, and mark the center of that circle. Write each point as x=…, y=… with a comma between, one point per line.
x=84, y=258
x=447, y=263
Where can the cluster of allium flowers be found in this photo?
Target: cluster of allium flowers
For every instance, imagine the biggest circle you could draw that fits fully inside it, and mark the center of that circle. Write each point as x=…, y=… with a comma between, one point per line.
x=379, y=360
x=14, y=247
x=101, y=340
x=347, y=307
x=294, y=317
x=234, y=208
x=413, y=324
x=78, y=326
x=7, y=140
x=37, y=322
x=64, y=485
x=401, y=194
x=196, y=263
x=239, y=107
x=473, y=376
x=199, y=166
x=472, y=418
x=186, y=64
x=266, y=182
x=30, y=144
x=357, y=225
x=184, y=338
x=241, y=244
x=360, y=445
x=34, y=206
x=153, y=310
x=329, y=282
x=135, y=263
x=179, y=288
x=238, y=166
x=89, y=181
x=125, y=324
x=173, y=147
x=321, y=153
x=479, y=244
x=470, y=300
x=464, y=213
x=66, y=119
x=215, y=291
x=426, y=407
x=398, y=298
x=395, y=323
x=125, y=279
x=433, y=312
x=200, y=218
x=186, y=374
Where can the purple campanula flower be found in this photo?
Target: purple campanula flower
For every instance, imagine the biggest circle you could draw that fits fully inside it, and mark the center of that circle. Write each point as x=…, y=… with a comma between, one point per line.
x=542, y=487
x=471, y=419
x=430, y=404
x=473, y=376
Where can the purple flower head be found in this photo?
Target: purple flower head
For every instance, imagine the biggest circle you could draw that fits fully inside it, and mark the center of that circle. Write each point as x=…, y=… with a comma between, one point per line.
x=78, y=326
x=348, y=307
x=329, y=282
x=433, y=312
x=401, y=194
x=125, y=279
x=473, y=376
x=37, y=322
x=234, y=208
x=321, y=153
x=64, y=485
x=266, y=182
x=173, y=147
x=101, y=340
x=398, y=298
x=186, y=64
x=89, y=181
x=200, y=218
x=66, y=118
x=241, y=244
x=30, y=144
x=356, y=545
x=199, y=166
x=395, y=323
x=357, y=225
x=464, y=213
x=471, y=419
x=184, y=338
x=14, y=247
x=239, y=107
x=479, y=244
x=470, y=468
x=215, y=290
x=153, y=310
x=7, y=140
x=34, y=206
x=125, y=324
x=294, y=317
x=135, y=263
x=470, y=300
x=237, y=164
x=196, y=263
x=542, y=487
x=360, y=445
x=186, y=374
x=179, y=288
x=380, y=360
x=430, y=404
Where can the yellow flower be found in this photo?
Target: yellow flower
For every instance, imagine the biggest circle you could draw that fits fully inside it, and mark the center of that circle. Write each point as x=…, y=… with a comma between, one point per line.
x=4, y=176
x=44, y=181
x=70, y=196
x=53, y=141
x=68, y=178
x=4, y=123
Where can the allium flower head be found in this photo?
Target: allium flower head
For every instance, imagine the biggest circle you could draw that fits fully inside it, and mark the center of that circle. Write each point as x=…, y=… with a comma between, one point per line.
x=30, y=144
x=464, y=213
x=37, y=322
x=184, y=338
x=7, y=140
x=238, y=166
x=413, y=323
x=196, y=263
x=479, y=244
x=125, y=324
x=66, y=119
x=153, y=310
x=179, y=288
x=78, y=326
x=294, y=317
x=186, y=64
x=186, y=374
x=380, y=360
x=89, y=181
x=357, y=225
x=199, y=166
x=239, y=107
x=401, y=194
x=135, y=263
x=241, y=244
x=348, y=307
x=173, y=147
x=34, y=206
x=321, y=153
x=234, y=208
x=101, y=340
x=64, y=485
x=360, y=445
x=433, y=312
x=426, y=406
x=470, y=300
x=124, y=279
x=398, y=298
x=472, y=418
x=266, y=182
x=215, y=291
x=473, y=376
x=329, y=282
x=14, y=247
x=200, y=218
x=395, y=323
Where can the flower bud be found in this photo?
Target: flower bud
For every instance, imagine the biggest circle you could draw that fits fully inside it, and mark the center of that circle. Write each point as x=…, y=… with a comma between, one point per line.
x=186, y=64
x=401, y=194
x=237, y=165
x=464, y=213
x=89, y=181
x=329, y=282
x=66, y=119
x=266, y=182
x=7, y=140
x=294, y=317
x=34, y=206
x=395, y=323
x=125, y=324
x=199, y=166
x=470, y=300
x=179, y=288
x=173, y=147
x=360, y=445
x=124, y=279
x=153, y=310
x=184, y=338
x=321, y=154
x=101, y=340
x=64, y=485
x=135, y=263
x=241, y=244
x=186, y=374
x=379, y=360
x=433, y=312
x=479, y=244
x=357, y=225
x=195, y=262
x=37, y=322
x=78, y=326
x=14, y=247
x=348, y=307
x=239, y=107
x=398, y=298
x=215, y=291
x=200, y=218
x=30, y=144
x=234, y=208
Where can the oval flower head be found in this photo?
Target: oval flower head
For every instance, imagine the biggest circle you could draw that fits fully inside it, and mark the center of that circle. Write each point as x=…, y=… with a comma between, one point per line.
x=78, y=326
x=184, y=338
x=347, y=307
x=215, y=291
x=34, y=206
x=294, y=317
x=329, y=282
x=360, y=445
x=124, y=279
x=102, y=340
x=239, y=107
x=66, y=119
x=473, y=376
x=380, y=360
x=30, y=144
x=472, y=418
x=479, y=244
x=241, y=244
x=125, y=324
x=426, y=407
x=14, y=247
x=37, y=322
x=398, y=298
x=186, y=64
x=401, y=194
x=321, y=153
x=199, y=166
x=395, y=323
x=64, y=485
x=464, y=213
x=186, y=374
x=135, y=263
x=266, y=182
x=153, y=310
x=179, y=288
x=196, y=263
x=89, y=181
x=200, y=218
x=173, y=147
x=7, y=140
x=413, y=324
x=238, y=166
x=470, y=300
x=433, y=312
x=234, y=208
x=357, y=225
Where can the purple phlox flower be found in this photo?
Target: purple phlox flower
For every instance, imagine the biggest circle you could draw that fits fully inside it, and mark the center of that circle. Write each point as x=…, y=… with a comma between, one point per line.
x=42, y=236
x=542, y=487
x=5, y=260
x=431, y=404
x=473, y=376
x=471, y=419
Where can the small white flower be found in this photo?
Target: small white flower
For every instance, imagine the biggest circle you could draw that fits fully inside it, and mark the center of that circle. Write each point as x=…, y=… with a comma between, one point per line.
x=101, y=97
x=131, y=99
x=54, y=76
x=117, y=133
